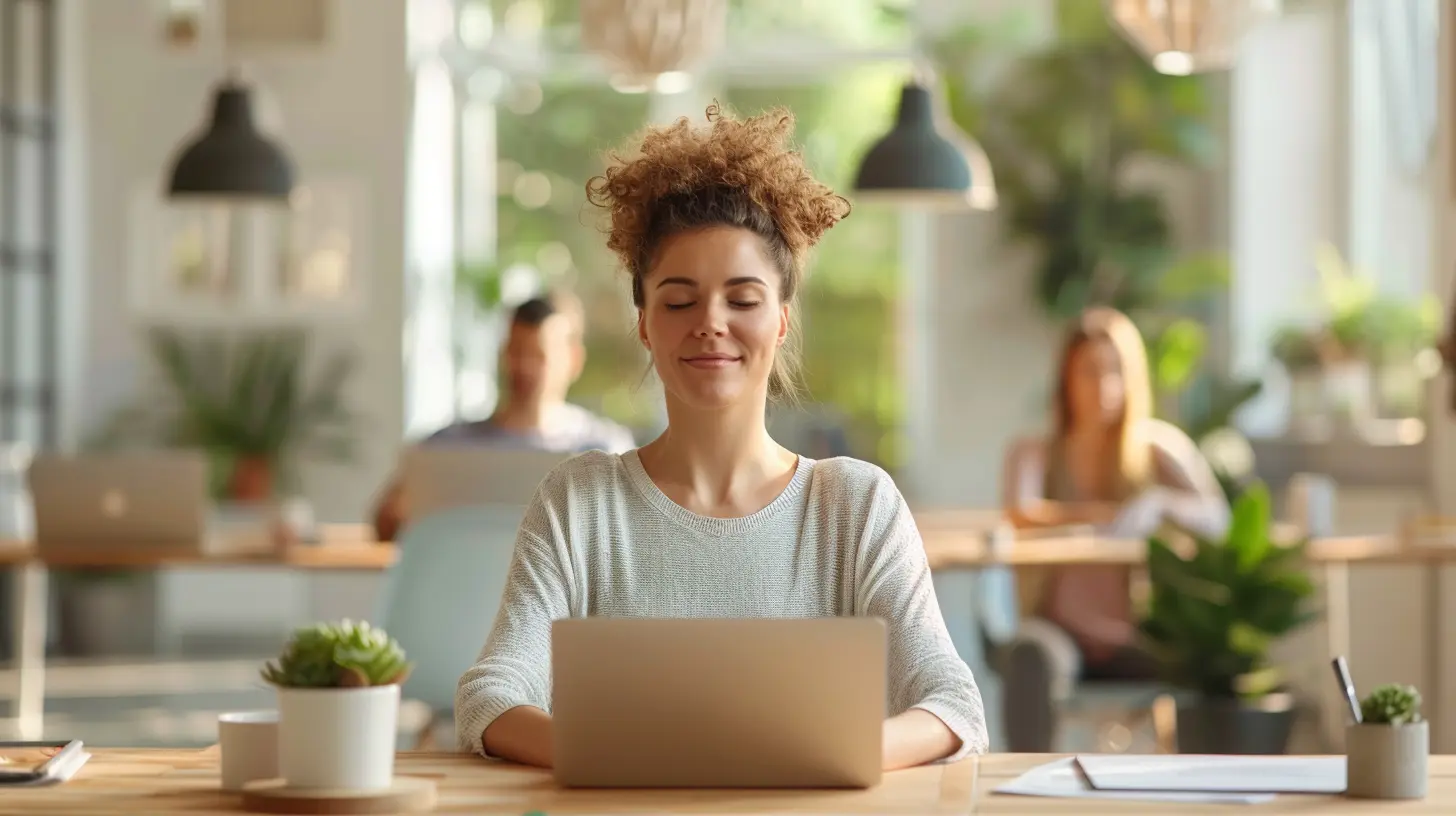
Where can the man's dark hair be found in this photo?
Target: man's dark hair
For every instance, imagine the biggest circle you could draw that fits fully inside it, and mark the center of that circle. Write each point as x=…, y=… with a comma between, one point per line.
x=534, y=311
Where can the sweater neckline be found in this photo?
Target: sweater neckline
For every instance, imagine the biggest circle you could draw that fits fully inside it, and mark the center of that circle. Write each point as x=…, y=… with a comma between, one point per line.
x=709, y=525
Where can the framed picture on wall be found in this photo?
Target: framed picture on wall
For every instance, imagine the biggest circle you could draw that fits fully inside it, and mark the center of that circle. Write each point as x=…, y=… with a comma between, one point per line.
x=208, y=261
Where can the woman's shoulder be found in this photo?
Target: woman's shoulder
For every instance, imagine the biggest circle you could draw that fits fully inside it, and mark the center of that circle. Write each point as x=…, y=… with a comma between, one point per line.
x=844, y=477
x=584, y=474
x=1168, y=439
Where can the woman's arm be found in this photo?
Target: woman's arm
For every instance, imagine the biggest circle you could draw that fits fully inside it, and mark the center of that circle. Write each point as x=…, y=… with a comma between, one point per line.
x=916, y=737
x=502, y=701
x=936, y=707
x=521, y=734
x=1023, y=493
x=1190, y=495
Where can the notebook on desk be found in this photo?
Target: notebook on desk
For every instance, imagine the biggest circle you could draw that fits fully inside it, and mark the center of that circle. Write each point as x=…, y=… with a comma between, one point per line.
x=1214, y=774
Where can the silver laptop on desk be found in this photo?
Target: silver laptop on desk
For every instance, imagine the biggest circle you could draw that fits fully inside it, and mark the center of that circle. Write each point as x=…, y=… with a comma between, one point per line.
x=439, y=478
x=718, y=703
x=154, y=500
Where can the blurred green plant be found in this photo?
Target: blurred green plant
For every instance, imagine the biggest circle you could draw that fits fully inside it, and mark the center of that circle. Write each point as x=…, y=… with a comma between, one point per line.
x=241, y=397
x=1062, y=125
x=1391, y=704
x=1212, y=617
x=1365, y=324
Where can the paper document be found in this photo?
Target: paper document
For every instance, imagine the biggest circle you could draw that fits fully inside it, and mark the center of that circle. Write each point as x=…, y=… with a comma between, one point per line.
x=1195, y=772
x=54, y=775
x=1062, y=778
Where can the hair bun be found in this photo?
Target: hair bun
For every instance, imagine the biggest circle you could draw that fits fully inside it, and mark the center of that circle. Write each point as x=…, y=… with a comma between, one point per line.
x=753, y=155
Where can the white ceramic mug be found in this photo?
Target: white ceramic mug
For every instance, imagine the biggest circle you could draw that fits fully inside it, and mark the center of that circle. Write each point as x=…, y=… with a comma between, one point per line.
x=248, y=741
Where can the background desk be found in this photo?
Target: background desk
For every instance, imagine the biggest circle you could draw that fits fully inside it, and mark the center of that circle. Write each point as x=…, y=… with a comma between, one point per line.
x=165, y=782
x=29, y=616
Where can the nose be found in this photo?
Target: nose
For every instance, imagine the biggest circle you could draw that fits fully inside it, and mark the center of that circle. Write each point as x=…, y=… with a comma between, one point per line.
x=713, y=322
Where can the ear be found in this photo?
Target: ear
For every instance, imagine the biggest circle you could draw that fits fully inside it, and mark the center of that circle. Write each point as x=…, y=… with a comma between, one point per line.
x=783, y=323
x=642, y=331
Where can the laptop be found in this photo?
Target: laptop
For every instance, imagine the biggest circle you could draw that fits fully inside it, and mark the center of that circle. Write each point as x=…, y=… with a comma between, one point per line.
x=718, y=703
x=153, y=500
x=438, y=478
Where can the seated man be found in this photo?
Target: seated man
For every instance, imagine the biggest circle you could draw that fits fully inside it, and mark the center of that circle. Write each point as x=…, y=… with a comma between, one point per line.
x=542, y=357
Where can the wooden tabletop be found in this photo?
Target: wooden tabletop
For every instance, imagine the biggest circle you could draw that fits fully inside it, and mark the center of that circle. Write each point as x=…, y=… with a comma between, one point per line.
x=360, y=555
x=953, y=538
x=161, y=782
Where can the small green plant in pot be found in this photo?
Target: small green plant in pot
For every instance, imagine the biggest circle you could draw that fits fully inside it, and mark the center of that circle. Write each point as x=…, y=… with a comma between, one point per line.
x=1385, y=753
x=1211, y=620
x=338, y=706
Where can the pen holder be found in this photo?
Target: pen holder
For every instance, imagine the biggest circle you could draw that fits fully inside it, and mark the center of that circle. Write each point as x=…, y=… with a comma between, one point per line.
x=1385, y=761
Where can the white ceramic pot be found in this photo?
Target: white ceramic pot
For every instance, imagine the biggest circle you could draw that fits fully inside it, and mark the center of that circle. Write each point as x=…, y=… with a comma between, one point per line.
x=1386, y=761
x=337, y=738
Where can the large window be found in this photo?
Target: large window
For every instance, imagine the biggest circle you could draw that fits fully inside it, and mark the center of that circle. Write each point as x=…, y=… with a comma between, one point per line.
x=530, y=118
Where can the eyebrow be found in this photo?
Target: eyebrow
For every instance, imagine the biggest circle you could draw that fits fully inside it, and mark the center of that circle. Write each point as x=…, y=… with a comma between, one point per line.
x=694, y=284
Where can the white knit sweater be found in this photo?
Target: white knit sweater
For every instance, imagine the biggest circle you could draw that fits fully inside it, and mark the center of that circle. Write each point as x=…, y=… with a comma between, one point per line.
x=600, y=538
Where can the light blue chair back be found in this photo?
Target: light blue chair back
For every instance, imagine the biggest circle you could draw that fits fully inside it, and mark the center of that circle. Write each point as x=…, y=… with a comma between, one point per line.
x=441, y=597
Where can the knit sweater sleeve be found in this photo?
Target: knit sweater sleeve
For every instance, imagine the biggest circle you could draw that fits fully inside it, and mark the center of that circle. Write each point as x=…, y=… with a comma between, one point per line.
x=514, y=668
x=894, y=584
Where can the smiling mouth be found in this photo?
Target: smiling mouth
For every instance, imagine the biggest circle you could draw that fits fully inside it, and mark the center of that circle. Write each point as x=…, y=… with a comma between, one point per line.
x=712, y=361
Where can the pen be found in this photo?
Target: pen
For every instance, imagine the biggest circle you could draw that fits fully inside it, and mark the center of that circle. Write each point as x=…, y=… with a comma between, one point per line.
x=1347, y=687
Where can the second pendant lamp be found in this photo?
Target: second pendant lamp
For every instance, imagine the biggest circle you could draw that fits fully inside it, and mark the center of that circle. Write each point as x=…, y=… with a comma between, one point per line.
x=231, y=158
x=917, y=165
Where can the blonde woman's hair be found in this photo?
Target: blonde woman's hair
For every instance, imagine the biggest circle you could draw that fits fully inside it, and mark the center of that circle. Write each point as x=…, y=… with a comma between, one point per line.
x=1133, y=467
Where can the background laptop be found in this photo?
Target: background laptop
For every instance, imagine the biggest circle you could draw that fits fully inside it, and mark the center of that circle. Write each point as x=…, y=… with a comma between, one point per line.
x=153, y=500
x=439, y=478
x=718, y=703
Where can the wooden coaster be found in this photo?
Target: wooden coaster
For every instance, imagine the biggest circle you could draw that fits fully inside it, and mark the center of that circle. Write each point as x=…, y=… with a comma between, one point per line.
x=408, y=794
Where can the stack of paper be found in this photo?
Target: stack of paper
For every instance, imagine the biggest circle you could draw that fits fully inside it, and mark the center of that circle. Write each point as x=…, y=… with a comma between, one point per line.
x=55, y=774
x=1181, y=778
x=1063, y=778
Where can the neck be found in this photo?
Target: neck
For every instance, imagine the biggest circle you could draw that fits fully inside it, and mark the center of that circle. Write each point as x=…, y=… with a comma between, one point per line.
x=524, y=413
x=716, y=456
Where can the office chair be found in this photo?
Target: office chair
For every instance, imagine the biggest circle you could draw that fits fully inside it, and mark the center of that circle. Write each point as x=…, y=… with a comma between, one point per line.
x=440, y=598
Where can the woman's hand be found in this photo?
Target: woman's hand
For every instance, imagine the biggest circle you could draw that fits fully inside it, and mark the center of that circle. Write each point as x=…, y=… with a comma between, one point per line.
x=916, y=737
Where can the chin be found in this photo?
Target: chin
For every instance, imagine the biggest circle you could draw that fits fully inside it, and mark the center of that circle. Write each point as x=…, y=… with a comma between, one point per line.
x=709, y=396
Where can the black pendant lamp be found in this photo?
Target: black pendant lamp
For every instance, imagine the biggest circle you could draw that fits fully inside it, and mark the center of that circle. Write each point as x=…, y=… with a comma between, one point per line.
x=916, y=165
x=231, y=158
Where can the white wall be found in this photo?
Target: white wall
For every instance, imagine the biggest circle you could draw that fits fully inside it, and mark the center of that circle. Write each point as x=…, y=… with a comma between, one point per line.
x=1288, y=188
x=343, y=110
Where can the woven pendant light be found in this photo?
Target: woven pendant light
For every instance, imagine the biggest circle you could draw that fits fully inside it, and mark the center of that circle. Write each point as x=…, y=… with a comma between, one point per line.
x=1188, y=36
x=645, y=41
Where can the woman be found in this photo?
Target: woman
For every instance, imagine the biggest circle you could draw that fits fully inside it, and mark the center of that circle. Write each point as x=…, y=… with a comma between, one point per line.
x=713, y=518
x=1108, y=464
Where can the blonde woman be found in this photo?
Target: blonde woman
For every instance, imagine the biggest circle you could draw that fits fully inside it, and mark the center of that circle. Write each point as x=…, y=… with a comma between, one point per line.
x=1109, y=464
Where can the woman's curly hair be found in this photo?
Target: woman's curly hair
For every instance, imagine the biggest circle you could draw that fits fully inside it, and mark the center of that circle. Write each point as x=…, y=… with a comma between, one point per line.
x=736, y=173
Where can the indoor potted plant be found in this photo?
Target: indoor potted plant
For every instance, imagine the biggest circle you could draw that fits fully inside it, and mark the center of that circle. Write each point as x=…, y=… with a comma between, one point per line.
x=1211, y=620
x=247, y=398
x=338, y=706
x=1385, y=753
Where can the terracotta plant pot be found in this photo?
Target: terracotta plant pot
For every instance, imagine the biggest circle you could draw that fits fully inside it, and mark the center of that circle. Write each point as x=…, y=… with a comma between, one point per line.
x=252, y=480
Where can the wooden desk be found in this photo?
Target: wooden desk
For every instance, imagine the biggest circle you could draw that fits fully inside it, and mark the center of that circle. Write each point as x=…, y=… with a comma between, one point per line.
x=161, y=782
x=29, y=609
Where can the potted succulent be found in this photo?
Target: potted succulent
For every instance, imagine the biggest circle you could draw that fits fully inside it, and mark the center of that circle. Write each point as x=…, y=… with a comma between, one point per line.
x=338, y=706
x=1212, y=617
x=1385, y=753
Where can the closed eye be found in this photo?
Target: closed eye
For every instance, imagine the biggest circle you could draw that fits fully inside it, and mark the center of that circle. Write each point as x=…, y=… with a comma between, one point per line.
x=673, y=307
x=743, y=304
